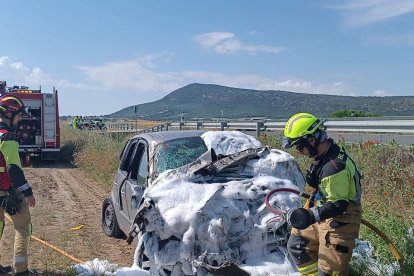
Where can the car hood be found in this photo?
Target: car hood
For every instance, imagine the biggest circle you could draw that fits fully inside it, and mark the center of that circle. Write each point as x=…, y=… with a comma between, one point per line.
x=192, y=222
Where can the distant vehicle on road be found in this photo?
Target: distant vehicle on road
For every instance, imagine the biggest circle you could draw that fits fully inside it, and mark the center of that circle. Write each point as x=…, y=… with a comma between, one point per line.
x=100, y=124
x=94, y=124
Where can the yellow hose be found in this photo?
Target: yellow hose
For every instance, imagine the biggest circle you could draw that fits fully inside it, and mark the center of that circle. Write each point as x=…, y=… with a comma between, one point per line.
x=52, y=246
x=393, y=249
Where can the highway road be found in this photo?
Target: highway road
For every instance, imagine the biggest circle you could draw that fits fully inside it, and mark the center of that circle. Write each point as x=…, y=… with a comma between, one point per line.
x=398, y=130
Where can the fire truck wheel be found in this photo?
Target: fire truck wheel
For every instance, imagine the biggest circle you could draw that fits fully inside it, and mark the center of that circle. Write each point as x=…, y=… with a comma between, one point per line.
x=26, y=160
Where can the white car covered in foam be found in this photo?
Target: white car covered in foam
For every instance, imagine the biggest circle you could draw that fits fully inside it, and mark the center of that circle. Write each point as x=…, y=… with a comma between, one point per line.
x=194, y=203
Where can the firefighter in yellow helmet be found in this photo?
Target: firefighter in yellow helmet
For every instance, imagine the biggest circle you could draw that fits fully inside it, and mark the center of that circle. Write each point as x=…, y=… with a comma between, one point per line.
x=326, y=233
x=15, y=193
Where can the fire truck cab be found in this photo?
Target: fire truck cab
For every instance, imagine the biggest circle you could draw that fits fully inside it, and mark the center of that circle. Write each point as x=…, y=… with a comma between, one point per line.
x=39, y=132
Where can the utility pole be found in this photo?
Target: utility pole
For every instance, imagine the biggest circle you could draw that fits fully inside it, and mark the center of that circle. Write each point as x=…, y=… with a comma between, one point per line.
x=136, y=117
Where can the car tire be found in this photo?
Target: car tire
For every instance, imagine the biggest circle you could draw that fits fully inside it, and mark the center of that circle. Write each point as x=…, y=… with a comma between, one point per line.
x=109, y=222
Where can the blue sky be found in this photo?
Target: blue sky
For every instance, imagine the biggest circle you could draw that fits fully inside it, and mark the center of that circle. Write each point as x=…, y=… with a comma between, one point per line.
x=105, y=55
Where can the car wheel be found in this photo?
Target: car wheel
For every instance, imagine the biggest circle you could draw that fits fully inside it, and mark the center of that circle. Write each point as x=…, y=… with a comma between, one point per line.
x=109, y=222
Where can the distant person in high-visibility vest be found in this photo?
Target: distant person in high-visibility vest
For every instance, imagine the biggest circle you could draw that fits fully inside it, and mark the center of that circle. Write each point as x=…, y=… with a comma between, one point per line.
x=75, y=122
x=16, y=195
x=323, y=236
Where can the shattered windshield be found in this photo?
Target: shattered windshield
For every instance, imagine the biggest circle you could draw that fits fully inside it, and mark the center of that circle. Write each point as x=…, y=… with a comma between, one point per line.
x=179, y=152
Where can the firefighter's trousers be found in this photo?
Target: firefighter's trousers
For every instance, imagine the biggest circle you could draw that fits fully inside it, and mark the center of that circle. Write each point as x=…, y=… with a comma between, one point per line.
x=23, y=230
x=325, y=248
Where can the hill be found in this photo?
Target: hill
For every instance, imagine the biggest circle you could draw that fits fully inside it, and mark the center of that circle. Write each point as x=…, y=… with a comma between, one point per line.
x=208, y=100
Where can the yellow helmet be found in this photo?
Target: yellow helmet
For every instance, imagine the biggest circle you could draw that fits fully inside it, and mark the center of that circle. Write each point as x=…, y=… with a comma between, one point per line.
x=298, y=126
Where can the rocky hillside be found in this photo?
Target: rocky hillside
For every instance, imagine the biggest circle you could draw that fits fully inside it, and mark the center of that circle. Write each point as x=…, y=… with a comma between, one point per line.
x=209, y=101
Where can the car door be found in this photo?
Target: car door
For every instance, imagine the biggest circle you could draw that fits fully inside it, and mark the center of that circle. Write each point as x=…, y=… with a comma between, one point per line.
x=121, y=177
x=137, y=180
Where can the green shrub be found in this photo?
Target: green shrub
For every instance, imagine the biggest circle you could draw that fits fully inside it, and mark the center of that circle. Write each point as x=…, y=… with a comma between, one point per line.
x=351, y=113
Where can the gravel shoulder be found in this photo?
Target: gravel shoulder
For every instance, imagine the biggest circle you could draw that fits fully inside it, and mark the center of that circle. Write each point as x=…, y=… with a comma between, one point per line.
x=66, y=199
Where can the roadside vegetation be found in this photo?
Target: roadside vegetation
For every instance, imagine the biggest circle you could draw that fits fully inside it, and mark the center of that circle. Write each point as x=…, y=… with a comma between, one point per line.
x=351, y=113
x=388, y=183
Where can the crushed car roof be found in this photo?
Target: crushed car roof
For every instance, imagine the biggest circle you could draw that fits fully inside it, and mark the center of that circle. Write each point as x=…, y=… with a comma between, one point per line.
x=163, y=136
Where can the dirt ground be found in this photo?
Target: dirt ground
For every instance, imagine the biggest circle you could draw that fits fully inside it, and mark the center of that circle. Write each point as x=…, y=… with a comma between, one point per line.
x=66, y=199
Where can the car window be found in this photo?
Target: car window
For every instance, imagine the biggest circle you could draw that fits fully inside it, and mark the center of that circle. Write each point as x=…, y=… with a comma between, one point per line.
x=143, y=170
x=136, y=162
x=127, y=154
x=179, y=152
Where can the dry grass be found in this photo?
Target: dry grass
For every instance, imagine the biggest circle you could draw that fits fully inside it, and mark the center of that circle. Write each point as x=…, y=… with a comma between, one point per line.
x=96, y=153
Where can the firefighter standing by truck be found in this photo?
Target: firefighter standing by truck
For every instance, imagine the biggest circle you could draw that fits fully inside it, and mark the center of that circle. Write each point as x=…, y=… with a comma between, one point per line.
x=15, y=193
x=323, y=237
x=75, y=122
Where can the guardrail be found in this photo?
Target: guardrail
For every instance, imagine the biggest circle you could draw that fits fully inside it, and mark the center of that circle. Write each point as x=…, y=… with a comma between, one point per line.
x=371, y=126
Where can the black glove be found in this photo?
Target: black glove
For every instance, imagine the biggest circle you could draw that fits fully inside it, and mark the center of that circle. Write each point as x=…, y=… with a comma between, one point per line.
x=5, y=269
x=10, y=203
x=300, y=218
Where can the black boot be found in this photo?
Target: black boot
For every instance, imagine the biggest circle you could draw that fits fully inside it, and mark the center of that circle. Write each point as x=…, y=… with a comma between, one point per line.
x=28, y=272
x=5, y=269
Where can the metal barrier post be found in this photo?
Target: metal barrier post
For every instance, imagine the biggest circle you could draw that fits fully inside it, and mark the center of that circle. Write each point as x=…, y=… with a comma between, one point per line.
x=223, y=125
x=259, y=128
x=199, y=124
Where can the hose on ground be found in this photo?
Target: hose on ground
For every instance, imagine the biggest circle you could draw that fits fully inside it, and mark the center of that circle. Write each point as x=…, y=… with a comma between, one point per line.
x=60, y=251
x=392, y=247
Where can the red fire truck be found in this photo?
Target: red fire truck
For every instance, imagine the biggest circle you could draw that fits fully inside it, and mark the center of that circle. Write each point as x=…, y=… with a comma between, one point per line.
x=38, y=133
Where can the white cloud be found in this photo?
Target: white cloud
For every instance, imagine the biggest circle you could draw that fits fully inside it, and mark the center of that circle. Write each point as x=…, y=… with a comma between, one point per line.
x=304, y=86
x=138, y=78
x=359, y=13
x=140, y=81
x=380, y=93
x=227, y=43
x=209, y=40
x=16, y=73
